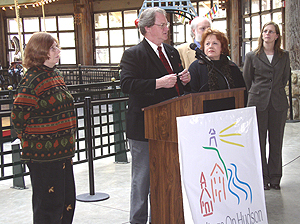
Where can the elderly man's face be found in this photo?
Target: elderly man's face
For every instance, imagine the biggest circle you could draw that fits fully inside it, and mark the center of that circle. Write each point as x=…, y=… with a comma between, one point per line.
x=201, y=27
x=158, y=33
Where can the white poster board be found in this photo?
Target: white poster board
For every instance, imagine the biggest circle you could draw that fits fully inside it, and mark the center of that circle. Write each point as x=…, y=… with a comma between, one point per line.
x=220, y=166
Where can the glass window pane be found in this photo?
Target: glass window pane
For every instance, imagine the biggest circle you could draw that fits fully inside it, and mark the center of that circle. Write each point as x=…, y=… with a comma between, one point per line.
x=247, y=47
x=131, y=36
x=265, y=18
x=221, y=13
x=188, y=33
x=255, y=6
x=247, y=26
x=50, y=23
x=204, y=7
x=27, y=37
x=68, y=56
x=220, y=25
x=67, y=39
x=115, y=19
x=65, y=23
x=254, y=45
x=101, y=38
x=265, y=5
x=31, y=24
x=277, y=4
x=130, y=17
x=11, y=56
x=100, y=20
x=12, y=25
x=277, y=18
x=255, y=26
x=116, y=37
x=116, y=54
x=178, y=33
x=54, y=35
x=102, y=56
x=246, y=6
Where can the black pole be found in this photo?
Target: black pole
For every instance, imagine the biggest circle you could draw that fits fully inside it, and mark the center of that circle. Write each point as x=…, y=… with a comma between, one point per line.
x=88, y=142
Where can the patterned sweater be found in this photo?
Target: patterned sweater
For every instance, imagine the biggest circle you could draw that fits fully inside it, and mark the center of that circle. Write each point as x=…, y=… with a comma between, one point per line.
x=43, y=116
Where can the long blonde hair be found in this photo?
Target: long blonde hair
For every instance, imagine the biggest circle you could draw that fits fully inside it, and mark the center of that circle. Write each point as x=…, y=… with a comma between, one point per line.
x=277, y=44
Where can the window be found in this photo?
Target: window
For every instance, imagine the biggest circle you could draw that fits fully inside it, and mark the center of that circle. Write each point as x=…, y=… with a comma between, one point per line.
x=60, y=27
x=114, y=32
x=255, y=14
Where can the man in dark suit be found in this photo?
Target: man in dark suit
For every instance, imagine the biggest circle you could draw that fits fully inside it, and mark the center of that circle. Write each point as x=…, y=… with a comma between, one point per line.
x=149, y=78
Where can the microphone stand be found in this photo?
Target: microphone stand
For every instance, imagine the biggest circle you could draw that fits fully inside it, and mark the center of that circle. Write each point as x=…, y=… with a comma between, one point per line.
x=200, y=57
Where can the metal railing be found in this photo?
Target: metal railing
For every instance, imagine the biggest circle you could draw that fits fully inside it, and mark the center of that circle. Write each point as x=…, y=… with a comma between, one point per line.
x=107, y=122
x=88, y=74
x=73, y=75
x=4, y=79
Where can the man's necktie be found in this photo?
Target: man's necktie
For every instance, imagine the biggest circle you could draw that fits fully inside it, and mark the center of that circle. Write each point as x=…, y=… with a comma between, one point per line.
x=167, y=66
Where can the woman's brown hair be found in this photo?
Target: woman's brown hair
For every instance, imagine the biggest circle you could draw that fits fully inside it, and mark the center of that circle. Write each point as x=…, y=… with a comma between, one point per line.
x=37, y=49
x=220, y=36
x=277, y=44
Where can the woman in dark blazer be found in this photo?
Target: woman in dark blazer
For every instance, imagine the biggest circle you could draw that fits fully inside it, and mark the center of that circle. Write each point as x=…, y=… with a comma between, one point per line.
x=266, y=72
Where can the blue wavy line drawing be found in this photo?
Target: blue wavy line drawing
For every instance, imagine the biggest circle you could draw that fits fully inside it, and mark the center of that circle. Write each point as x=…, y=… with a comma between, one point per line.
x=234, y=184
x=230, y=188
x=241, y=182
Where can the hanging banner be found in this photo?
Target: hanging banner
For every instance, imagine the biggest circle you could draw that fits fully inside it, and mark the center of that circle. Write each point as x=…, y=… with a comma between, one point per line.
x=221, y=168
x=212, y=12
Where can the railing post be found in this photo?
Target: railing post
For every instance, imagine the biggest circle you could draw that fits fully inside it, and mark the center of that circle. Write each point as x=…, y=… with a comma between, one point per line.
x=18, y=182
x=92, y=196
x=120, y=146
x=80, y=74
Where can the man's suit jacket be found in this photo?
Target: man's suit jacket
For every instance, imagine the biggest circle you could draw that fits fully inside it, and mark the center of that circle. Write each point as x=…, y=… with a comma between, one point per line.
x=187, y=55
x=266, y=81
x=140, y=67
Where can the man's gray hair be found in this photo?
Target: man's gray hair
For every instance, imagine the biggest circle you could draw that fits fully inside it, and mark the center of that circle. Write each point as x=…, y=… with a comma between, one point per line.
x=195, y=22
x=147, y=18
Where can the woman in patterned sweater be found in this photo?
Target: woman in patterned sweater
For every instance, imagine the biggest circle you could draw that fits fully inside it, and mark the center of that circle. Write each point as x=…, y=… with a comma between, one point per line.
x=44, y=118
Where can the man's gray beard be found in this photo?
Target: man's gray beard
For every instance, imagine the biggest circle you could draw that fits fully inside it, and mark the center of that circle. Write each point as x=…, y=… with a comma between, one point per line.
x=198, y=39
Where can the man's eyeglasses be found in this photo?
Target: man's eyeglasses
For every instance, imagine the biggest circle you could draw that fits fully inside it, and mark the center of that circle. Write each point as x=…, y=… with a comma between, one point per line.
x=268, y=31
x=163, y=25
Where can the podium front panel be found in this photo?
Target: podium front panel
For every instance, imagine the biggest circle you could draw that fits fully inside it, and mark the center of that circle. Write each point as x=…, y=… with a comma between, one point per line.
x=161, y=130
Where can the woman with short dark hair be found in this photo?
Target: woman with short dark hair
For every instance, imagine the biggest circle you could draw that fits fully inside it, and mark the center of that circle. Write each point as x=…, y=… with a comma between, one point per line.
x=203, y=75
x=44, y=118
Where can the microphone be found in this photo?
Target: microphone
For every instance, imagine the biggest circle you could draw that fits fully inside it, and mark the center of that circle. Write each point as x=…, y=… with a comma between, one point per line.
x=207, y=60
x=200, y=53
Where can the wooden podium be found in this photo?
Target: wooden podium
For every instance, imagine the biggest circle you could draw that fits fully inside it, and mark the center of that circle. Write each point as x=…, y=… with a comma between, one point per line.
x=161, y=130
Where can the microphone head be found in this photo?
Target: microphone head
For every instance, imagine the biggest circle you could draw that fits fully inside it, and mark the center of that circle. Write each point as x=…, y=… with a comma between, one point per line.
x=193, y=46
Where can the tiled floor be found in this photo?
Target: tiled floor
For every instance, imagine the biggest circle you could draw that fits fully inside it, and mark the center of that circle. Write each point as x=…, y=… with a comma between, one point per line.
x=283, y=206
